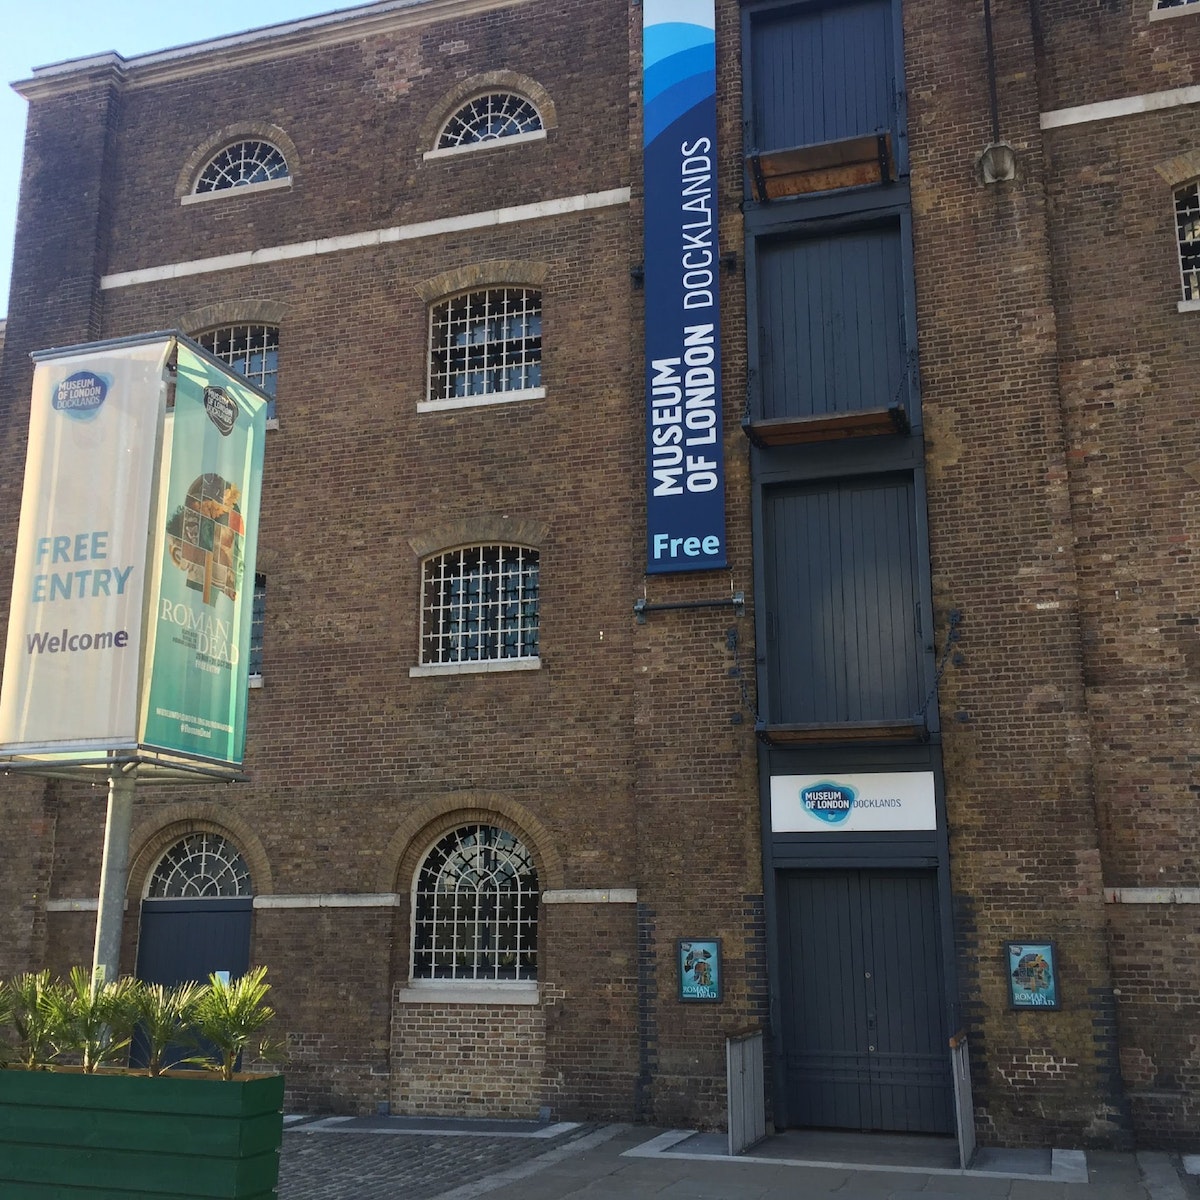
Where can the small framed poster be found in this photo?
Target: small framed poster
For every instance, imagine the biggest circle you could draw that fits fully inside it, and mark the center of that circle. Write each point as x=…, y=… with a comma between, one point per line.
x=1032, y=974
x=699, y=962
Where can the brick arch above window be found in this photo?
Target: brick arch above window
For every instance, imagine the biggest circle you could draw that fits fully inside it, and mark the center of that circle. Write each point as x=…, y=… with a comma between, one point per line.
x=442, y=814
x=243, y=131
x=1183, y=168
x=493, y=272
x=231, y=312
x=480, y=85
x=169, y=825
x=479, y=530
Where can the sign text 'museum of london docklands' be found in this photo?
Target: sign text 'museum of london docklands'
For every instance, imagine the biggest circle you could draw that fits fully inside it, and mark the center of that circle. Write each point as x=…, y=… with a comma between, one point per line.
x=685, y=476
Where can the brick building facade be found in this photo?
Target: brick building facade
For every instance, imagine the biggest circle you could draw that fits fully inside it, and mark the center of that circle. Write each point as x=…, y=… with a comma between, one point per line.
x=1017, y=521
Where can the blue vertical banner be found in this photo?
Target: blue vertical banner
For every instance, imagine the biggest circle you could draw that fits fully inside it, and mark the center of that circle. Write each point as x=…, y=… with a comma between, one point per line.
x=685, y=469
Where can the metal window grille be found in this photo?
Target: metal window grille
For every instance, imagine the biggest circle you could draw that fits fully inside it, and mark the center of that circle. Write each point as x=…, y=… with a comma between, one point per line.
x=240, y=164
x=251, y=350
x=201, y=864
x=1187, y=224
x=485, y=342
x=258, y=616
x=489, y=118
x=475, y=908
x=480, y=604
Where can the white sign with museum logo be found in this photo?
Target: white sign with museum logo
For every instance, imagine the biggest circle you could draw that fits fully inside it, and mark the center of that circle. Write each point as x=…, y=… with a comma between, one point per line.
x=876, y=802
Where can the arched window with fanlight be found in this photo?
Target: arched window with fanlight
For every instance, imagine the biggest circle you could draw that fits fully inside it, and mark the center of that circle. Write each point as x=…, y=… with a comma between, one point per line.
x=242, y=164
x=475, y=909
x=199, y=866
x=491, y=117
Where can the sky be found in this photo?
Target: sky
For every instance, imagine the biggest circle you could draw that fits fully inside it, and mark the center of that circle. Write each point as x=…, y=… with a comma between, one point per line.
x=34, y=33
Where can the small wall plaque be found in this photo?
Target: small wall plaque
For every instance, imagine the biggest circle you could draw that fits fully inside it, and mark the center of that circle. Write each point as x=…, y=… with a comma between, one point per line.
x=699, y=963
x=1032, y=974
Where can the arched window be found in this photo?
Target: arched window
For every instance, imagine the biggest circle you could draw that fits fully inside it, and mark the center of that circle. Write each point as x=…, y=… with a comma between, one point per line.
x=475, y=903
x=241, y=164
x=200, y=865
x=488, y=118
x=479, y=604
x=1187, y=226
x=486, y=344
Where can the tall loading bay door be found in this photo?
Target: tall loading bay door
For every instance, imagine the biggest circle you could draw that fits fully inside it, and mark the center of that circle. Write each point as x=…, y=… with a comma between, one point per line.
x=863, y=1003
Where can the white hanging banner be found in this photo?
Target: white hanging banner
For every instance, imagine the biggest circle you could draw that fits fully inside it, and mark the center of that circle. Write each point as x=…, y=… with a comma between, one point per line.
x=71, y=664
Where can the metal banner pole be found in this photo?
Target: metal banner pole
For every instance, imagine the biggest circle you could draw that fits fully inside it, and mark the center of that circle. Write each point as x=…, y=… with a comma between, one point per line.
x=114, y=873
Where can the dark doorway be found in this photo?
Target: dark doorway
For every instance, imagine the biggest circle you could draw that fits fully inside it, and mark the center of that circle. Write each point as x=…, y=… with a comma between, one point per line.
x=183, y=940
x=187, y=940
x=863, y=1001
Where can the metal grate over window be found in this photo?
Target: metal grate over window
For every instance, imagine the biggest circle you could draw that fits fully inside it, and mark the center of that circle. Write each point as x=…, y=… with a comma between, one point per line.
x=258, y=619
x=475, y=908
x=241, y=164
x=251, y=350
x=479, y=604
x=1187, y=224
x=201, y=864
x=485, y=342
x=489, y=118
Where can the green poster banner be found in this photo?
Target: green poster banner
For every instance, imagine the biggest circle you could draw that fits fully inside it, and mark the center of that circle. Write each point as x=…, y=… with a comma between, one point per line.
x=198, y=630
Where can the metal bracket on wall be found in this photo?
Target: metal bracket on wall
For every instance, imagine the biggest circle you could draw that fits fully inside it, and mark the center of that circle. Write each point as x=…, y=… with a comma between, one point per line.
x=736, y=601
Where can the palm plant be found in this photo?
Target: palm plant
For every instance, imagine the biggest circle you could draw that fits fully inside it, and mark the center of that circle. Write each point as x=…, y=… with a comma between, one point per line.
x=93, y=1018
x=165, y=1018
x=6, y=1015
x=34, y=1017
x=229, y=1013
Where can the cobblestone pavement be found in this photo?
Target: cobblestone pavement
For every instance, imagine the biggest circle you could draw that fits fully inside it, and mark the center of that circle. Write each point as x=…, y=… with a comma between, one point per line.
x=317, y=1164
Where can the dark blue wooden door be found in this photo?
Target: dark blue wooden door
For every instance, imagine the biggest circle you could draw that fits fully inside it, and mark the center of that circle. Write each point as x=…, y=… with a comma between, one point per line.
x=831, y=323
x=820, y=73
x=187, y=940
x=865, y=1041
x=841, y=594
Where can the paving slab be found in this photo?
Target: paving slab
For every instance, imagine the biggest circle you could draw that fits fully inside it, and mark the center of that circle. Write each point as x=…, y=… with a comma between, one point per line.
x=397, y=1159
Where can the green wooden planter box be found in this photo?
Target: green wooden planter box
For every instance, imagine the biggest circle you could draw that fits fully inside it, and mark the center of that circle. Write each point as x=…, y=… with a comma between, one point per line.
x=112, y=1136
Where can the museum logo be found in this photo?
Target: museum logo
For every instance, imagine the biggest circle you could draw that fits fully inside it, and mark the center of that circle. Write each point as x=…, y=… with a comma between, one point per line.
x=828, y=802
x=80, y=395
x=222, y=409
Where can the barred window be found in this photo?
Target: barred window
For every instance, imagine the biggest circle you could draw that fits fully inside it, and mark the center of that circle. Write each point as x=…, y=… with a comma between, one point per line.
x=479, y=604
x=258, y=619
x=1187, y=225
x=488, y=118
x=241, y=164
x=475, y=908
x=485, y=343
x=251, y=350
x=200, y=865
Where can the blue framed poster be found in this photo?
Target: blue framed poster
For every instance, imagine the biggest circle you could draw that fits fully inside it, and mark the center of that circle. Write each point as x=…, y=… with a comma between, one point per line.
x=1032, y=974
x=699, y=964
x=685, y=470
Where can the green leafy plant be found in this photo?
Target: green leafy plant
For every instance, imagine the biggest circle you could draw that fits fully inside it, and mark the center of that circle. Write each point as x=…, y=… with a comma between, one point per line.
x=34, y=1017
x=230, y=1014
x=6, y=1015
x=166, y=1018
x=94, y=1019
